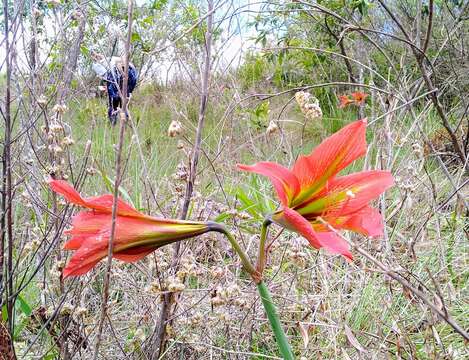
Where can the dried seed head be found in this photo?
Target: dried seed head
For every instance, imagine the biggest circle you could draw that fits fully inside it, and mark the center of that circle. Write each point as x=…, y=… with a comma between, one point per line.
x=55, y=127
x=309, y=105
x=67, y=141
x=139, y=335
x=42, y=100
x=91, y=170
x=272, y=128
x=59, y=108
x=56, y=149
x=174, y=285
x=417, y=149
x=175, y=129
x=67, y=309
x=218, y=272
x=217, y=301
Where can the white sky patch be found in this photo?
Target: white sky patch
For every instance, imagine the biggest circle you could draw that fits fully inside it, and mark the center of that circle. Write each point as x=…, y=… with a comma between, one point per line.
x=235, y=41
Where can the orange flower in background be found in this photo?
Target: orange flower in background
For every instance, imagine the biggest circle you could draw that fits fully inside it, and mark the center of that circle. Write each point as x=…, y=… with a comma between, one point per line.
x=359, y=97
x=136, y=234
x=311, y=190
x=355, y=98
x=344, y=101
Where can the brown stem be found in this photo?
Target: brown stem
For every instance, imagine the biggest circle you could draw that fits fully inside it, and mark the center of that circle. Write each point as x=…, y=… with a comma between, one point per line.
x=420, y=56
x=123, y=118
x=444, y=315
x=7, y=193
x=158, y=341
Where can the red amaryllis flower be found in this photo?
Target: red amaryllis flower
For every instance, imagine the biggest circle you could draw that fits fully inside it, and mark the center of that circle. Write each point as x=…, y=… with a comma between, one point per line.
x=136, y=234
x=344, y=101
x=359, y=97
x=356, y=98
x=311, y=190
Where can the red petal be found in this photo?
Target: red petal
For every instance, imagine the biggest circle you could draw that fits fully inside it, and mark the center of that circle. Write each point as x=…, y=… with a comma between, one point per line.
x=367, y=221
x=334, y=244
x=134, y=238
x=344, y=101
x=134, y=254
x=104, y=203
x=101, y=203
x=330, y=157
x=76, y=268
x=285, y=183
x=69, y=193
x=348, y=194
x=330, y=241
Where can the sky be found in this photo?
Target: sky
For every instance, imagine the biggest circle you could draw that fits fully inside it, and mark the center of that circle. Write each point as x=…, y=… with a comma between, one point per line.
x=232, y=51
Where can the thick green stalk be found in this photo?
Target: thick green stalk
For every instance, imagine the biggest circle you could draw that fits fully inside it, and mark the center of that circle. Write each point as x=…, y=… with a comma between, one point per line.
x=271, y=311
x=261, y=257
x=236, y=247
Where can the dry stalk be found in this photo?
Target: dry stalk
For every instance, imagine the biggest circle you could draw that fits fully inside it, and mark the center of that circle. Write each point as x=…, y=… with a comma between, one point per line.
x=444, y=315
x=122, y=123
x=158, y=340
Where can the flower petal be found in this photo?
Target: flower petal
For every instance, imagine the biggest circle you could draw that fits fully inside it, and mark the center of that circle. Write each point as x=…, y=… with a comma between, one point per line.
x=347, y=194
x=104, y=203
x=67, y=191
x=285, y=183
x=292, y=220
x=76, y=268
x=101, y=203
x=330, y=157
x=334, y=244
x=133, y=239
x=134, y=254
x=344, y=101
x=367, y=221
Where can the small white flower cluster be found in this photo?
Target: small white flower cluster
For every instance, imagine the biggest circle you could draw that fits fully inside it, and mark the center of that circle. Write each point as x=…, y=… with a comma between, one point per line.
x=182, y=172
x=309, y=105
x=42, y=100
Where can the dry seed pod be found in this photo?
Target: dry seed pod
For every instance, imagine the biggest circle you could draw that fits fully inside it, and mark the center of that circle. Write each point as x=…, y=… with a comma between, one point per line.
x=272, y=128
x=175, y=129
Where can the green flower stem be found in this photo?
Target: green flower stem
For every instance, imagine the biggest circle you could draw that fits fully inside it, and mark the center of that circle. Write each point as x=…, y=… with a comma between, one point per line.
x=271, y=311
x=236, y=247
x=262, y=255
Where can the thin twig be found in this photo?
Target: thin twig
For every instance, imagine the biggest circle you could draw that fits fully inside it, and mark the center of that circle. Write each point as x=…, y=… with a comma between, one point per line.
x=123, y=119
x=444, y=315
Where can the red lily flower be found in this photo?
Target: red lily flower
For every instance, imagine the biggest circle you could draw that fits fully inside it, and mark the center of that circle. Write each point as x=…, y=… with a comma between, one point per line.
x=344, y=101
x=359, y=97
x=311, y=190
x=136, y=234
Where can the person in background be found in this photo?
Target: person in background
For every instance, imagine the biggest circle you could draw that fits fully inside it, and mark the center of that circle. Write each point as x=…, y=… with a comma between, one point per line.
x=113, y=78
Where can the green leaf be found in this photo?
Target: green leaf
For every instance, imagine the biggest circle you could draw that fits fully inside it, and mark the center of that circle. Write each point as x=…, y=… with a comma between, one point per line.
x=24, y=306
x=110, y=186
x=136, y=37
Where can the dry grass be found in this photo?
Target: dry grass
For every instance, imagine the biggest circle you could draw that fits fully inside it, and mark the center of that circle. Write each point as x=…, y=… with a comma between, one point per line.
x=330, y=308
